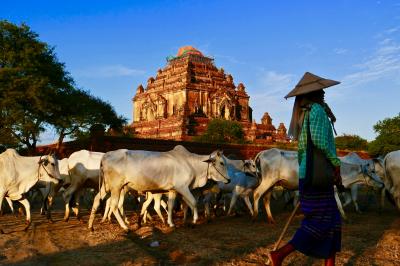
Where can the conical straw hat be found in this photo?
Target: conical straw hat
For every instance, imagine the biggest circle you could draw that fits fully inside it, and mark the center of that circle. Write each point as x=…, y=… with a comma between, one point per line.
x=310, y=82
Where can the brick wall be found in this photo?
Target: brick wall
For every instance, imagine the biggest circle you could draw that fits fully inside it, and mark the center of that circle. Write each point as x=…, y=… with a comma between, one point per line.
x=108, y=143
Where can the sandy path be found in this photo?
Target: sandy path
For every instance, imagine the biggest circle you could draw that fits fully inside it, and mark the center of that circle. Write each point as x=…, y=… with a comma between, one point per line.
x=369, y=239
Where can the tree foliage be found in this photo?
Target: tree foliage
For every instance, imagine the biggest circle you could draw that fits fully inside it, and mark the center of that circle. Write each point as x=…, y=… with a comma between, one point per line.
x=351, y=142
x=30, y=76
x=222, y=131
x=388, y=138
x=77, y=111
x=37, y=92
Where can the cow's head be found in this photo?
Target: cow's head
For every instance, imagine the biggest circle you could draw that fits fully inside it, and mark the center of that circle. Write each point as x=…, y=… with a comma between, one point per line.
x=217, y=167
x=48, y=169
x=378, y=165
x=64, y=171
x=371, y=178
x=249, y=167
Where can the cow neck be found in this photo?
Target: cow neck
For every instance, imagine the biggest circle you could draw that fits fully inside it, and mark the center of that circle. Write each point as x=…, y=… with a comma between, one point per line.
x=238, y=164
x=29, y=177
x=200, y=168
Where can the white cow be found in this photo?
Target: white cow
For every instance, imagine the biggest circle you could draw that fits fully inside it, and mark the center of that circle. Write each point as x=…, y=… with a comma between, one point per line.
x=18, y=174
x=368, y=169
x=49, y=191
x=83, y=170
x=276, y=167
x=392, y=179
x=281, y=167
x=241, y=184
x=243, y=181
x=176, y=170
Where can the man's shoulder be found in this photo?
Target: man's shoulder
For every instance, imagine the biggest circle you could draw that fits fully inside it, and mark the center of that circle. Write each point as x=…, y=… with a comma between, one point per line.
x=317, y=108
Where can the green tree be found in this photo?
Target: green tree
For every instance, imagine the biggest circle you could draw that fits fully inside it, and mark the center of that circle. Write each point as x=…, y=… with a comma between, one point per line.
x=30, y=77
x=388, y=138
x=222, y=131
x=351, y=142
x=77, y=111
x=36, y=92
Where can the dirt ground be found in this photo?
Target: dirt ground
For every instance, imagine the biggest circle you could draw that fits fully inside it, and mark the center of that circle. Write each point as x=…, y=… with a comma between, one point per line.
x=370, y=238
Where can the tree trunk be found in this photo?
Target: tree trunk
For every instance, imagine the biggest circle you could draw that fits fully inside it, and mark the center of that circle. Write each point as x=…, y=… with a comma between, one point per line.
x=31, y=148
x=60, y=140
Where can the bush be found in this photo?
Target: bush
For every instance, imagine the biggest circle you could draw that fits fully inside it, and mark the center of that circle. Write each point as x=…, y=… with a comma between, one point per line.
x=222, y=131
x=388, y=138
x=351, y=142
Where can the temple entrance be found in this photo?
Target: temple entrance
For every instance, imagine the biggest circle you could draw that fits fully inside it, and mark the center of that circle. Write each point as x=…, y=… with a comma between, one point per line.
x=225, y=112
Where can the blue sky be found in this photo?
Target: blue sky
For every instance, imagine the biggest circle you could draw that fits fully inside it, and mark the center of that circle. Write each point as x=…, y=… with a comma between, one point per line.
x=110, y=47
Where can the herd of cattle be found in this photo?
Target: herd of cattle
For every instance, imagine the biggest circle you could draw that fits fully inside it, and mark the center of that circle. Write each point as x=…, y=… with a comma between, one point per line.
x=178, y=172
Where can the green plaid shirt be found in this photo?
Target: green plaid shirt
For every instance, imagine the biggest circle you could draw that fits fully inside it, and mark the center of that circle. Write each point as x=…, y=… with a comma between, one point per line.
x=321, y=135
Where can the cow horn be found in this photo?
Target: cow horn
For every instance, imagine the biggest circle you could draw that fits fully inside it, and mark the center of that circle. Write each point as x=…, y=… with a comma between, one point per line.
x=44, y=161
x=209, y=160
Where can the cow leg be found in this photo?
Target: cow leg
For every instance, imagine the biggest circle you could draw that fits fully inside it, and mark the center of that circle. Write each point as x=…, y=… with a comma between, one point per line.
x=267, y=200
x=107, y=210
x=248, y=203
x=107, y=213
x=354, y=193
x=157, y=205
x=164, y=205
x=264, y=186
x=10, y=204
x=50, y=199
x=191, y=201
x=115, y=193
x=45, y=193
x=121, y=204
x=185, y=208
x=146, y=215
x=347, y=198
x=232, y=203
x=69, y=192
x=27, y=207
x=2, y=195
x=383, y=192
x=171, y=203
x=96, y=203
x=207, y=202
x=339, y=205
x=77, y=197
x=146, y=203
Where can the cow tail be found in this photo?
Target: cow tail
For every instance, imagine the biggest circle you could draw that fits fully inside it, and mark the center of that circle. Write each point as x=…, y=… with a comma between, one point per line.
x=101, y=177
x=258, y=167
x=388, y=183
x=388, y=178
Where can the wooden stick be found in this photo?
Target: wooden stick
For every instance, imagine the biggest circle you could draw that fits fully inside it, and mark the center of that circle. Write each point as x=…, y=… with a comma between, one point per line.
x=286, y=226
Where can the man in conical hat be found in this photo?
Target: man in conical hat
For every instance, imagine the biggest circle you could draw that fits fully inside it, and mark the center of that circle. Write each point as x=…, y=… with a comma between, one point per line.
x=320, y=232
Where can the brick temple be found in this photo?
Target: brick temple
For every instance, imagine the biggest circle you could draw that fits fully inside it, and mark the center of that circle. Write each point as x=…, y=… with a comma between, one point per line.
x=187, y=93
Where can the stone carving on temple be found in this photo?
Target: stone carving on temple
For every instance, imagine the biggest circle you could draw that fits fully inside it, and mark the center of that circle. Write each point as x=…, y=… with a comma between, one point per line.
x=187, y=93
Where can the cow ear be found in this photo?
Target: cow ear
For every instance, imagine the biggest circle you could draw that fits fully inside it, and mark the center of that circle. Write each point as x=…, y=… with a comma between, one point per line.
x=220, y=153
